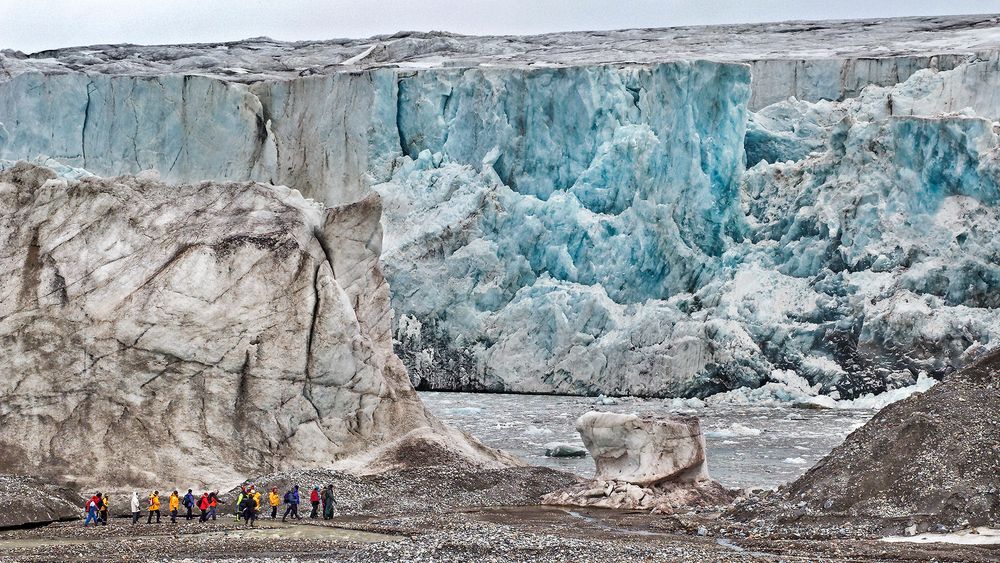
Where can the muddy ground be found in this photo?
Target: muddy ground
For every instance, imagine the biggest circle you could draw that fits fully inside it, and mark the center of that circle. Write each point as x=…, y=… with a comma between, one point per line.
x=508, y=534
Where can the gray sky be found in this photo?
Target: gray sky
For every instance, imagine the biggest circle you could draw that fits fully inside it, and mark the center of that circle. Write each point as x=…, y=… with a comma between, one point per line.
x=34, y=25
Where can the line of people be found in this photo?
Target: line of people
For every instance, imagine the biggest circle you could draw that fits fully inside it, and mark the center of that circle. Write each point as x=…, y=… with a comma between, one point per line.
x=207, y=504
x=248, y=505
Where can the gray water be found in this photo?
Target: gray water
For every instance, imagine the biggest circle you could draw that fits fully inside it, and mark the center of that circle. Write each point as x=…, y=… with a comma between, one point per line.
x=748, y=446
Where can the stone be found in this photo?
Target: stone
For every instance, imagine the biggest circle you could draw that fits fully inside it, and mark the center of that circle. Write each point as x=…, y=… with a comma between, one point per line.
x=195, y=333
x=645, y=450
x=561, y=449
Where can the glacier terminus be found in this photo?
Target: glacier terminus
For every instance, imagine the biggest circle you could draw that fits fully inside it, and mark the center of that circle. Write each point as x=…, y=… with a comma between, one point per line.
x=664, y=213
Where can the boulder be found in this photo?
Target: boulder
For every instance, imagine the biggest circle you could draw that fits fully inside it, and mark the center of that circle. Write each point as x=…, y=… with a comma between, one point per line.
x=645, y=450
x=194, y=333
x=645, y=463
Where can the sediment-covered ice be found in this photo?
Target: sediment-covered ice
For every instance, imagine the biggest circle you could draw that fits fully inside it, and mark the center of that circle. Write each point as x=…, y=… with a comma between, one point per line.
x=197, y=333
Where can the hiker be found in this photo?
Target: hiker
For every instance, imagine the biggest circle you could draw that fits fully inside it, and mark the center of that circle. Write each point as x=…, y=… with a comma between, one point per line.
x=154, y=507
x=314, y=499
x=292, y=500
x=188, y=503
x=91, y=507
x=203, y=507
x=104, y=510
x=213, y=502
x=328, y=502
x=245, y=506
x=239, y=501
x=135, y=508
x=274, y=500
x=255, y=494
x=173, y=505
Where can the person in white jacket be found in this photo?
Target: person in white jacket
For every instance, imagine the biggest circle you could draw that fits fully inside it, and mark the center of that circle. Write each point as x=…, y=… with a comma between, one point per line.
x=135, y=507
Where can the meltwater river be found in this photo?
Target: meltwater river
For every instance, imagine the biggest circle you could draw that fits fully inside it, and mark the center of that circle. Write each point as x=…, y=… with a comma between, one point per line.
x=748, y=446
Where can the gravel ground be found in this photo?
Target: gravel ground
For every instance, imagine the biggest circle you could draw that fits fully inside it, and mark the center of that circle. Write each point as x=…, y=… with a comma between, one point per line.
x=507, y=534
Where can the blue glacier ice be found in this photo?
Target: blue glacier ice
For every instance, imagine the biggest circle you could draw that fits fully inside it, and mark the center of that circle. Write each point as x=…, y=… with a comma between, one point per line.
x=858, y=251
x=647, y=229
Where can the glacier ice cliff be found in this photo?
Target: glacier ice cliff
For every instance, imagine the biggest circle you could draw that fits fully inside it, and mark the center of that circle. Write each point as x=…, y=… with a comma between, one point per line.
x=654, y=212
x=196, y=333
x=858, y=251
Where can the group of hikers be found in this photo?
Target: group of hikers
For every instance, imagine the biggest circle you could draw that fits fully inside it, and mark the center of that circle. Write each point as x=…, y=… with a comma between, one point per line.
x=248, y=505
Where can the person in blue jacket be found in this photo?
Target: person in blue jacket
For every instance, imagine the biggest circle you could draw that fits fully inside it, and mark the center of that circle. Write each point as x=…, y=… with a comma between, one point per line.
x=292, y=500
x=188, y=503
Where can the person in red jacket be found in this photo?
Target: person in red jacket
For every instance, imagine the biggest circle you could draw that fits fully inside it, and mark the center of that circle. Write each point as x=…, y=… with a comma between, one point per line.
x=203, y=507
x=91, y=507
x=314, y=499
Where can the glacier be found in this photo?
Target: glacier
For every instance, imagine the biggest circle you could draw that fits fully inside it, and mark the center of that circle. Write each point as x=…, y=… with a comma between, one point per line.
x=677, y=213
x=836, y=259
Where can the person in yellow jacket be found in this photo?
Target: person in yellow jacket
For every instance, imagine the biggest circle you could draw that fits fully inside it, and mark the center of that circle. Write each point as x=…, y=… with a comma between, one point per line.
x=154, y=507
x=174, y=505
x=103, y=512
x=274, y=500
x=256, y=504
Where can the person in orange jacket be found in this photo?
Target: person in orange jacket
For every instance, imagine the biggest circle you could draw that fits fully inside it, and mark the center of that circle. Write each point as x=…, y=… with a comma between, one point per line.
x=174, y=504
x=213, y=502
x=154, y=507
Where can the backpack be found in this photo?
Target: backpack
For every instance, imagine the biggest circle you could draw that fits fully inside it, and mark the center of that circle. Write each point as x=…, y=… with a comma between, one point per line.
x=288, y=497
x=188, y=501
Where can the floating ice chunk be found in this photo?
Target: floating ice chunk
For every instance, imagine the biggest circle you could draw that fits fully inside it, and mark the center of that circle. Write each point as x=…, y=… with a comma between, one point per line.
x=733, y=430
x=795, y=461
x=678, y=404
x=537, y=431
